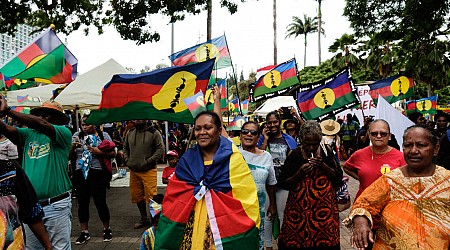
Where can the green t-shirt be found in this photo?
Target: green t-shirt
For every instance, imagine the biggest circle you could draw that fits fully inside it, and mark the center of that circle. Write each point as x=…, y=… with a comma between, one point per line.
x=45, y=161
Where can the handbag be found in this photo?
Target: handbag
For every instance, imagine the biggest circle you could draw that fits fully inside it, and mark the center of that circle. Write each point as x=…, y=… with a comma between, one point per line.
x=343, y=196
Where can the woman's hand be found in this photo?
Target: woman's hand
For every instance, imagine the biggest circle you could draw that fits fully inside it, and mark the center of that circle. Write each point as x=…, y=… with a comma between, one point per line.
x=271, y=211
x=216, y=93
x=316, y=162
x=305, y=168
x=265, y=133
x=361, y=233
x=94, y=150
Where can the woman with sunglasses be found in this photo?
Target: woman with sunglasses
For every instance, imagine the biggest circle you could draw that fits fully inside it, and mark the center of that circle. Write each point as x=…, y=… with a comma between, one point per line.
x=260, y=164
x=371, y=162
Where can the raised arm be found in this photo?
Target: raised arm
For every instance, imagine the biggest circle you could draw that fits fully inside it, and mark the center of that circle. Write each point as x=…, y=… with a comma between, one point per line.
x=217, y=108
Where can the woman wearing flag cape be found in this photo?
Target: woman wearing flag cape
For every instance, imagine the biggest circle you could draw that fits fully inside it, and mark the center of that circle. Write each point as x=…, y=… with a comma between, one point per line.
x=211, y=202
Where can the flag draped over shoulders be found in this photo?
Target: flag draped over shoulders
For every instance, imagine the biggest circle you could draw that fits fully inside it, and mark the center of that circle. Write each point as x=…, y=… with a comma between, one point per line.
x=225, y=189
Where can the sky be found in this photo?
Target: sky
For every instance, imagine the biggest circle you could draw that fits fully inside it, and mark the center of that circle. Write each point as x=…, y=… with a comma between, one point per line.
x=249, y=34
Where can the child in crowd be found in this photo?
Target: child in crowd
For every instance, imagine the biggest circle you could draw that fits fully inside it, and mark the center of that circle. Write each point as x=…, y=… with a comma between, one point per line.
x=148, y=237
x=169, y=171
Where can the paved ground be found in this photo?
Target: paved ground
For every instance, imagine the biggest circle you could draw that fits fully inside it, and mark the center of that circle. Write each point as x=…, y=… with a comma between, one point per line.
x=124, y=215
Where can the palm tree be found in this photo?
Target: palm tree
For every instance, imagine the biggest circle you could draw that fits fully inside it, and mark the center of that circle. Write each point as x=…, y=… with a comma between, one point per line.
x=344, y=57
x=275, y=49
x=319, y=27
x=303, y=27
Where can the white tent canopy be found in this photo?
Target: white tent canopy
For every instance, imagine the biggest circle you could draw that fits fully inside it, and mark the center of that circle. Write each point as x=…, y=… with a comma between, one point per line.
x=31, y=97
x=86, y=91
x=276, y=103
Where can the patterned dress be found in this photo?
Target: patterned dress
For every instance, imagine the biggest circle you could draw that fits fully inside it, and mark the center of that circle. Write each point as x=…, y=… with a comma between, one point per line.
x=414, y=211
x=311, y=217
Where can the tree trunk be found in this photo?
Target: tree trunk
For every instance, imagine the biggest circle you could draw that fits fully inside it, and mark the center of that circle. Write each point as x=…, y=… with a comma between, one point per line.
x=304, y=56
x=319, y=27
x=209, y=20
x=275, y=32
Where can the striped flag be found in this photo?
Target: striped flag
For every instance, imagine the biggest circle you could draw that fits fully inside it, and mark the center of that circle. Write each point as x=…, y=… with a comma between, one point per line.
x=276, y=81
x=156, y=95
x=244, y=106
x=46, y=59
x=209, y=98
x=392, y=89
x=195, y=103
x=327, y=97
x=233, y=106
x=424, y=105
x=214, y=48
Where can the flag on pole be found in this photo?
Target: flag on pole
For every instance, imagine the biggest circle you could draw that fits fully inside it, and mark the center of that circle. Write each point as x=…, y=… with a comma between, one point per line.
x=46, y=58
x=156, y=95
x=237, y=123
x=244, y=106
x=424, y=105
x=392, y=89
x=233, y=106
x=214, y=48
x=327, y=97
x=276, y=81
x=195, y=103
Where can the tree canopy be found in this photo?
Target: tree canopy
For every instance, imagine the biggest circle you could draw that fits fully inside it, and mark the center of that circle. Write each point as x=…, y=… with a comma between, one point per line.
x=130, y=18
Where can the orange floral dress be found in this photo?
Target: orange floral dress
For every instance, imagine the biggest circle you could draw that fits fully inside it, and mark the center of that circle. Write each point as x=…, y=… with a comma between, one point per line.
x=414, y=211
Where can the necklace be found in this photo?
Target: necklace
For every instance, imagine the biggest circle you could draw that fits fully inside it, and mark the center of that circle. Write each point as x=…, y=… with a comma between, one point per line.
x=379, y=155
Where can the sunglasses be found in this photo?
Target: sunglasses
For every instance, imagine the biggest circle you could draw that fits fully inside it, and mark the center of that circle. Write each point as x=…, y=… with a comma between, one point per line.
x=251, y=131
x=382, y=134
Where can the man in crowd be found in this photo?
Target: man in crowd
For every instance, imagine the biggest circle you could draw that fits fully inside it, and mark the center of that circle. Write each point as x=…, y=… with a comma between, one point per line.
x=142, y=149
x=349, y=128
x=46, y=143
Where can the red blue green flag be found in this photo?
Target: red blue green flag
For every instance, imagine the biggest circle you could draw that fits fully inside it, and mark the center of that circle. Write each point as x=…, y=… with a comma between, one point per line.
x=424, y=105
x=214, y=48
x=221, y=196
x=276, y=81
x=237, y=123
x=233, y=106
x=244, y=106
x=392, y=89
x=195, y=103
x=46, y=60
x=319, y=100
x=156, y=95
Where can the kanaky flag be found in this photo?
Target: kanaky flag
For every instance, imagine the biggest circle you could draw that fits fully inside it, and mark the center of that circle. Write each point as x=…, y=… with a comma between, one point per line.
x=276, y=81
x=237, y=123
x=424, y=105
x=214, y=48
x=195, y=103
x=46, y=59
x=233, y=106
x=244, y=106
x=392, y=89
x=330, y=96
x=229, y=205
x=156, y=95
x=209, y=98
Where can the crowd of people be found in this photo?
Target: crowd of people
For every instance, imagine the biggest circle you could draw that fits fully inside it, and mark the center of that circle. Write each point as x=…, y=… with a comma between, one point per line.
x=277, y=180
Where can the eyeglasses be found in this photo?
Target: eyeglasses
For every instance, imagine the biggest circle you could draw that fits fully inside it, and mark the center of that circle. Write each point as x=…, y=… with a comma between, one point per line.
x=251, y=131
x=382, y=134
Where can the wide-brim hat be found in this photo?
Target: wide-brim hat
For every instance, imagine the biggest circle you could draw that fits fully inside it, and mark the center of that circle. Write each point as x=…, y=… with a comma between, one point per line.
x=55, y=108
x=330, y=127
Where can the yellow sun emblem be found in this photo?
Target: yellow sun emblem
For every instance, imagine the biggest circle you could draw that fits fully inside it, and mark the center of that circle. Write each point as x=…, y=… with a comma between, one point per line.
x=424, y=105
x=207, y=51
x=400, y=86
x=272, y=79
x=179, y=86
x=324, y=98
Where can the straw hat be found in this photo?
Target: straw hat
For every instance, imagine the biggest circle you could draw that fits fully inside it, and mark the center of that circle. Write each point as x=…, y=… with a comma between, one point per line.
x=53, y=107
x=330, y=127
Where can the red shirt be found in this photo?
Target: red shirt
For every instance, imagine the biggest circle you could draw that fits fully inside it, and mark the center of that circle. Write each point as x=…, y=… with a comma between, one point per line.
x=371, y=166
x=168, y=172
